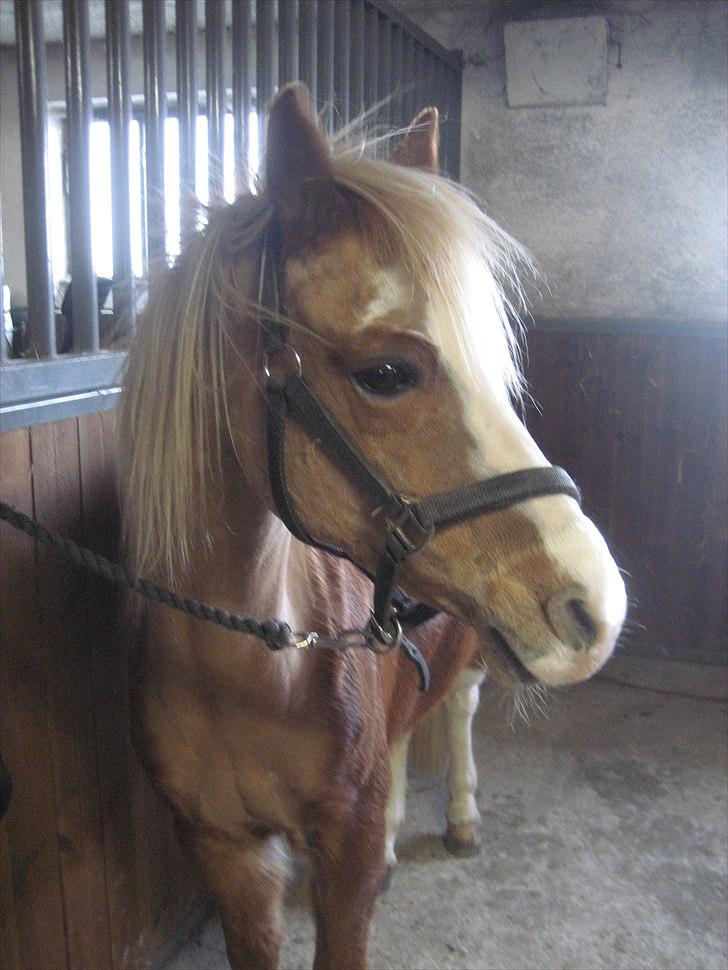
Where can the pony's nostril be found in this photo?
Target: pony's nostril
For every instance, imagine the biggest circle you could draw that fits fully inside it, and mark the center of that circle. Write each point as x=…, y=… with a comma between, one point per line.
x=570, y=619
x=581, y=615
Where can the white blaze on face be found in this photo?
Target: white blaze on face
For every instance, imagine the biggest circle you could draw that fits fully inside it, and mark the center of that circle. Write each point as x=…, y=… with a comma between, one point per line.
x=390, y=295
x=501, y=444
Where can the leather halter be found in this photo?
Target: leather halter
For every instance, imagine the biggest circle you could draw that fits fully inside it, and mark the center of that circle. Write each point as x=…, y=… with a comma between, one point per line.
x=409, y=523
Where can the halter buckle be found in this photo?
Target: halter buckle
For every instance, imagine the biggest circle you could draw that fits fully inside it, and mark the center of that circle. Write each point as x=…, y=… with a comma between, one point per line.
x=407, y=534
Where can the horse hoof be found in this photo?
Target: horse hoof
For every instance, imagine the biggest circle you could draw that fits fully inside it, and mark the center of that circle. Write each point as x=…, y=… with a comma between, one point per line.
x=462, y=840
x=386, y=880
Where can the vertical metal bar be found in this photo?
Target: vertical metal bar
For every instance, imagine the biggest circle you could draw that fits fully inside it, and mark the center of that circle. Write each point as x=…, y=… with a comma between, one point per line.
x=242, y=41
x=119, y=95
x=384, y=70
x=408, y=75
x=77, y=57
x=397, y=114
x=431, y=89
x=33, y=99
x=287, y=41
x=371, y=42
x=155, y=112
x=325, y=59
x=307, y=49
x=420, y=87
x=186, y=49
x=456, y=93
x=215, y=96
x=3, y=336
x=440, y=86
x=265, y=67
x=356, y=64
x=342, y=47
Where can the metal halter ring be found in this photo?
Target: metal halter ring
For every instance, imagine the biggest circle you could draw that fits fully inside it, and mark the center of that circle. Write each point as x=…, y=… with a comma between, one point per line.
x=285, y=348
x=380, y=640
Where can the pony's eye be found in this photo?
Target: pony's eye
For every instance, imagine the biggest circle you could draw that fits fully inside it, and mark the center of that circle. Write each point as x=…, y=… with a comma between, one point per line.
x=388, y=378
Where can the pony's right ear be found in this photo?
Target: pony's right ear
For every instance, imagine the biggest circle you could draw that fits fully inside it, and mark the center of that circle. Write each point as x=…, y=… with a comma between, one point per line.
x=296, y=151
x=420, y=147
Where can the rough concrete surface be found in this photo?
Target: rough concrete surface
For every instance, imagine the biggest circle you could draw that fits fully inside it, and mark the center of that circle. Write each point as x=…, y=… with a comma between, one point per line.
x=623, y=204
x=604, y=845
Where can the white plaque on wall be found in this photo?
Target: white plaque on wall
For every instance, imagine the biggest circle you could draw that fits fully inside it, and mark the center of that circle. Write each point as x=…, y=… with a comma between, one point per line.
x=556, y=62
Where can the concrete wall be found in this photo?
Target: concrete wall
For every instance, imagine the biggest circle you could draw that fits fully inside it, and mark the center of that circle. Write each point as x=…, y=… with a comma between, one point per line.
x=622, y=204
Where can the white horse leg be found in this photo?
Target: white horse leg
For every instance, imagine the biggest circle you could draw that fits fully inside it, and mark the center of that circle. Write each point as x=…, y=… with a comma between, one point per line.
x=394, y=813
x=463, y=818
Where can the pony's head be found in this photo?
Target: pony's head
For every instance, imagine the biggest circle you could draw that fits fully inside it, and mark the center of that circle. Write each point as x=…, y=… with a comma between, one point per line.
x=395, y=294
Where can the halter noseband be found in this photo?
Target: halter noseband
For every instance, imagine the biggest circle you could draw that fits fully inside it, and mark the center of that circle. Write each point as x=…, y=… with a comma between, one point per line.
x=410, y=523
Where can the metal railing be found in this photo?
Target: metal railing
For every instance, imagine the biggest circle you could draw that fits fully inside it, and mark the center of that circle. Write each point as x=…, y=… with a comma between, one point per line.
x=352, y=54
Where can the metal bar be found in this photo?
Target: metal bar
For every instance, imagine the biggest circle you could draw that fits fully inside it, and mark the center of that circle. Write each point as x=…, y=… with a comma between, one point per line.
x=187, y=106
x=77, y=56
x=242, y=39
x=430, y=67
x=384, y=69
x=3, y=335
x=119, y=95
x=33, y=100
x=371, y=42
x=456, y=92
x=325, y=59
x=215, y=96
x=408, y=78
x=356, y=59
x=443, y=106
x=409, y=26
x=35, y=380
x=307, y=49
x=265, y=67
x=419, y=78
x=287, y=41
x=155, y=112
x=342, y=65
x=31, y=413
x=397, y=114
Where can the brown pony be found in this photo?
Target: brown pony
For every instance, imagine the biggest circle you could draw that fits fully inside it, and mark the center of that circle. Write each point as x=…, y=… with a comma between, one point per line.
x=394, y=294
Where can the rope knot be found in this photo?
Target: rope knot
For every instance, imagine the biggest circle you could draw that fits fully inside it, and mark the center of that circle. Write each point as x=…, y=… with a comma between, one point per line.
x=276, y=634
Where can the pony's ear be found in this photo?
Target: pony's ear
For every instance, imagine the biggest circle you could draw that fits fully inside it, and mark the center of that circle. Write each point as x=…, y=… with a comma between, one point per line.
x=419, y=149
x=296, y=147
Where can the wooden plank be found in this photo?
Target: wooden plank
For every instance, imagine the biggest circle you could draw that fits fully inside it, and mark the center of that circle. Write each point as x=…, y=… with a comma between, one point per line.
x=56, y=490
x=9, y=945
x=34, y=931
x=640, y=421
x=150, y=884
x=100, y=530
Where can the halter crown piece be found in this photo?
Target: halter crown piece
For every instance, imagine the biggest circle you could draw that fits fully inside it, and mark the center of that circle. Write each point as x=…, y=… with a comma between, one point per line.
x=410, y=523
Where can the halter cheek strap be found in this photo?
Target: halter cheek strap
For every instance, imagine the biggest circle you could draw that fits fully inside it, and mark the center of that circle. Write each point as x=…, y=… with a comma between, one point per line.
x=410, y=523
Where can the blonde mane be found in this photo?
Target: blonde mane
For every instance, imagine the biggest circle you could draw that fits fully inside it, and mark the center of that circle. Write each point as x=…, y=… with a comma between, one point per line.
x=173, y=416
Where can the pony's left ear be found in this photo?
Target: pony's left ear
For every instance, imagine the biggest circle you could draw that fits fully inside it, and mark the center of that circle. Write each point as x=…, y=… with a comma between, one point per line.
x=420, y=146
x=296, y=150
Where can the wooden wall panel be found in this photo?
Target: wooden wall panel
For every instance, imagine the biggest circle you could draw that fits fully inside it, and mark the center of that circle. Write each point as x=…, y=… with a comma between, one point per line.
x=29, y=829
x=91, y=874
x=639, y=420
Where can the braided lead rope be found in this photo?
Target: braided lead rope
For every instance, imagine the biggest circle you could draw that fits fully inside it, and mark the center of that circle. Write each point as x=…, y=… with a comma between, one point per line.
x=275, y=633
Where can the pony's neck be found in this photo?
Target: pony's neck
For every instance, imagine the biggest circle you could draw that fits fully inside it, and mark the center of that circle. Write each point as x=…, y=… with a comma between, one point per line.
x=251, y=569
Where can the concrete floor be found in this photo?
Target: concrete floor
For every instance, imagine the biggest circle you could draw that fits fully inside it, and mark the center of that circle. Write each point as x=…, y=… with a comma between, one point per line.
x=604, y=845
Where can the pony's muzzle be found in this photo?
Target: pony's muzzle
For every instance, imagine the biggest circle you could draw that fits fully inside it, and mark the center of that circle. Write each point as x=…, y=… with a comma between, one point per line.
x=573, y=619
